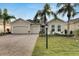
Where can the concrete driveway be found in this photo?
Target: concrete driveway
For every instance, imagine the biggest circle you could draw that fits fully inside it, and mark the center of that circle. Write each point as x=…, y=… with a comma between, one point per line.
x=17, y=45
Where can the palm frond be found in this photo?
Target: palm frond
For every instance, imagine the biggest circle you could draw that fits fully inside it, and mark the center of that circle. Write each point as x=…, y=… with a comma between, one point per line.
x=5, y=12
x=9, y=17
x=61, y=10
x=75, y=4
x=0, y=14
x=59, y=4
x=74, y=13
x=47, y=9
x=67, y=8
x=38, y=14
x=54, y=14
x=64, y=12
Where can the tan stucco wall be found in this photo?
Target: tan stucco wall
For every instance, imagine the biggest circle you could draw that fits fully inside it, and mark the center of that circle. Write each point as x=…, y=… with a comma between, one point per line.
x=74, y=26
x=2, y=28
x=56, y=23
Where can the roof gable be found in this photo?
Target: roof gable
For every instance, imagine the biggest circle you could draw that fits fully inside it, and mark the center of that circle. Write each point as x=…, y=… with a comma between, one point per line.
x=56, y=20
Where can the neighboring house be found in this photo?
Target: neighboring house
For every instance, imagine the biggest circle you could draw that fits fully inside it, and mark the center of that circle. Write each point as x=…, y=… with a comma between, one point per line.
x=56, y=26
x=74, y=24
x=21, y=26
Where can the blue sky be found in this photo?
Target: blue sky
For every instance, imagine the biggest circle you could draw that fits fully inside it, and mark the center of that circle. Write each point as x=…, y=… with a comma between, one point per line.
x=28, y=10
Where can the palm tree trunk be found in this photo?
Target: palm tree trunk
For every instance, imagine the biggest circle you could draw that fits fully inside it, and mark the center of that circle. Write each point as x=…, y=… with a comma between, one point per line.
x=45, y=20
x=4, y=26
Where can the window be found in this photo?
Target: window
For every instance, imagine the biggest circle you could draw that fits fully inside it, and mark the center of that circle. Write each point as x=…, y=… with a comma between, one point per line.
x=53, y=28
x=59, y=27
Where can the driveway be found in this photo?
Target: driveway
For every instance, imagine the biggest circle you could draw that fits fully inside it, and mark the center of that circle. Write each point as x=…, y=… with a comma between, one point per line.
x=17, y=45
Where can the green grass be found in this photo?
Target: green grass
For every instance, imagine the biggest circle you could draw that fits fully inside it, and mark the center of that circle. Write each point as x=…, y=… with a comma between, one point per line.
x=58, y=46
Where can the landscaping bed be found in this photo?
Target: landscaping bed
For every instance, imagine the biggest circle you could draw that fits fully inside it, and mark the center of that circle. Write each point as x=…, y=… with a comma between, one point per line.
x=1, y=34
x=62, y=35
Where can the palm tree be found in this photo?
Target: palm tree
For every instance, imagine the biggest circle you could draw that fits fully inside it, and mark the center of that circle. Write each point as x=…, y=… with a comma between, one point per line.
x=47, y=12
x=43, y=13
x=41, y=16
x=6, y=17
x=67, y=8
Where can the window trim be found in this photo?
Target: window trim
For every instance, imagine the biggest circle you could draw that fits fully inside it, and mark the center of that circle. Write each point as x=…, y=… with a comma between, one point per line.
x=59, y=28
x=52, y=28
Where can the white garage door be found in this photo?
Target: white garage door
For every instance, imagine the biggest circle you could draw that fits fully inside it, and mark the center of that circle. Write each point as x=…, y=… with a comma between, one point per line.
x=35, y=29
x=20, y=29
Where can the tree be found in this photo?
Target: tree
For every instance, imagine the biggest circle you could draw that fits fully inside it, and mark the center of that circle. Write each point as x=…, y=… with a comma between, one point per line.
x=43, y=13
x=41, y=16
x=6, y=17
x=67, y=8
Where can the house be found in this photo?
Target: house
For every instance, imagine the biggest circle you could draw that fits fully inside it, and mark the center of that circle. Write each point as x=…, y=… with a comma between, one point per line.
x=59, y=26
x=21, y=26
x=56, y=26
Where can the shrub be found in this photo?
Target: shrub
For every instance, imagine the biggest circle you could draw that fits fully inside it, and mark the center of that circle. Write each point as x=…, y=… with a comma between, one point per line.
x=65, y=31
x=71, y=32
x=1, y=33
x=77, y=32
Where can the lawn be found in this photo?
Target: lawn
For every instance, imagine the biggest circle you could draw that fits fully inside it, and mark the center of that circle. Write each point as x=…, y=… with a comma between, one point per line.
x=58, y=46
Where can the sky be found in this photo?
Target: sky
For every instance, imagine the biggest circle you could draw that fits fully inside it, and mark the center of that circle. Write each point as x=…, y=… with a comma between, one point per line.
x=28, y=10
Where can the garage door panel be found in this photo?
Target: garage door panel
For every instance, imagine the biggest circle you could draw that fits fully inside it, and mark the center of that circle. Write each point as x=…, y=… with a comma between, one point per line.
x=20, y=29
x=35, y=29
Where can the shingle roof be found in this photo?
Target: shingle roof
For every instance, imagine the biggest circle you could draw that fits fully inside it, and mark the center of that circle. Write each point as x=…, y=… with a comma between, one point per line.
x=74, y=20
x=30, y=20
x=20, y=19
x=77, y=19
